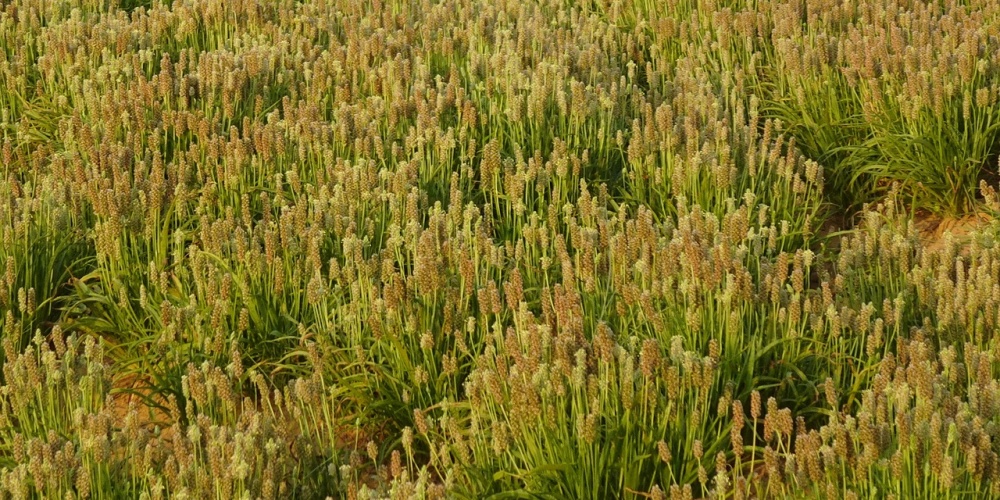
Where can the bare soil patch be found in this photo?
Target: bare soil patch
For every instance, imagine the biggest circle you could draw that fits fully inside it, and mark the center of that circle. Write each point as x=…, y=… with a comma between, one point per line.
x=934, y=229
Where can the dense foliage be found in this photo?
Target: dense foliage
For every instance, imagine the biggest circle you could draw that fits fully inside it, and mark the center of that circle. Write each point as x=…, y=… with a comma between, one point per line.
x=530, y=249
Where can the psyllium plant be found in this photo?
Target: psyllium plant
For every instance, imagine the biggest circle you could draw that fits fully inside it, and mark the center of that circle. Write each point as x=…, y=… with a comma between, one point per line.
x=909, y=98
x=553, y=416
x=69, y=431
x=44, y=247
x=466, y=248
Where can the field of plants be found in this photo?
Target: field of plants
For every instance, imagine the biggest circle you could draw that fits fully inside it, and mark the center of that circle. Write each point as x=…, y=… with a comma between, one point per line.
x=588, y=249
